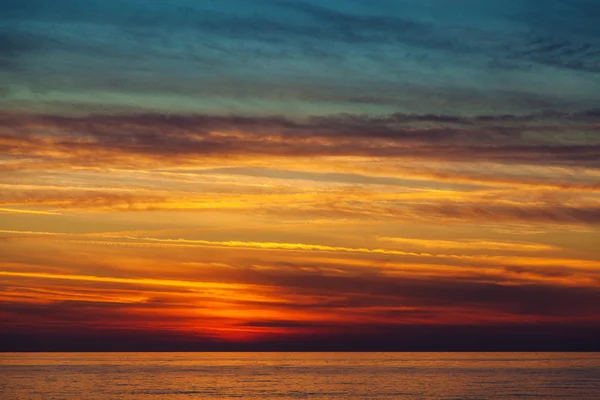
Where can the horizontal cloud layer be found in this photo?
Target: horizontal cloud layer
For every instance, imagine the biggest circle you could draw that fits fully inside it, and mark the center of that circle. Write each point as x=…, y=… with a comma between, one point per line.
x=555, y=139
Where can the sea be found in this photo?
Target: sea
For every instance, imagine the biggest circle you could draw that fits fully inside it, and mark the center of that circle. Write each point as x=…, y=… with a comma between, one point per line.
x=153, y=376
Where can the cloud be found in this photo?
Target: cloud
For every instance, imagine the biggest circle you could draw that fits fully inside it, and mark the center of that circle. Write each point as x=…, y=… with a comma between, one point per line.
x=521, y=337
x=554, y=213
x=140, y=281
x=105, y=139
x=21, y=211
x=545, y=207
x=465, y=299
x=343, y=300
x=468, y=244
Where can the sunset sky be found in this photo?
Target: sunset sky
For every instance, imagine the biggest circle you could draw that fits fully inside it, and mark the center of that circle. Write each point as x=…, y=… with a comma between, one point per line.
x=270, y=174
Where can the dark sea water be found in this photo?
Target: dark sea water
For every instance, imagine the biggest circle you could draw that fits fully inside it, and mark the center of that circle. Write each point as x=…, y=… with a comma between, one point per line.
x=137, y=376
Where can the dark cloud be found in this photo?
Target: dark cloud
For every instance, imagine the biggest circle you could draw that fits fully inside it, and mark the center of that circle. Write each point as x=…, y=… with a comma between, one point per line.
x=548, y=213
x=533, y=299
x=560, y=53
x=481, y=138
x=95, y=339
x=430, y=297
x=517, y=337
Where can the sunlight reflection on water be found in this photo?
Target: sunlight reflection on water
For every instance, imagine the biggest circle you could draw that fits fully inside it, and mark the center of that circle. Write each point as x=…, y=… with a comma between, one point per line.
x=141, y=376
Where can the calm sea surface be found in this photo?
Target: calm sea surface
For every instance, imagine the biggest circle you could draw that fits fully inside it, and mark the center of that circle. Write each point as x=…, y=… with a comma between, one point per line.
x=140, y=376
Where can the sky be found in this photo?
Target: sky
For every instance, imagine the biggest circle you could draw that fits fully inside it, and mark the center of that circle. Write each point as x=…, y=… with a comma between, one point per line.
x=299, y=175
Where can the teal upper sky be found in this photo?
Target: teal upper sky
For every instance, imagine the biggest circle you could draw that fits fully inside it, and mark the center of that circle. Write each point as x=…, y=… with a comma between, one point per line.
x=299, y=58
